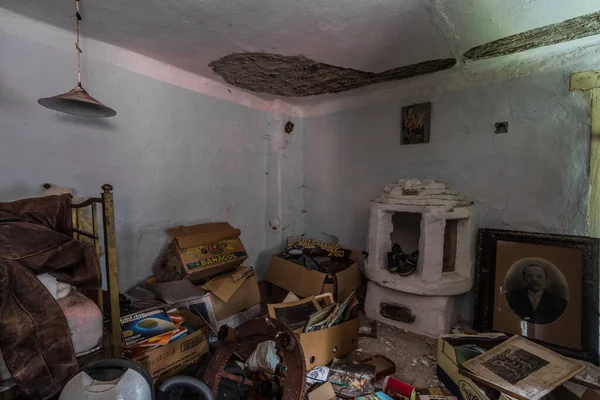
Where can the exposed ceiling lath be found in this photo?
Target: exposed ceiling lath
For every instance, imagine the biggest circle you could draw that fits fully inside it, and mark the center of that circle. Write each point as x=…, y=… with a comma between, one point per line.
x=298, y=76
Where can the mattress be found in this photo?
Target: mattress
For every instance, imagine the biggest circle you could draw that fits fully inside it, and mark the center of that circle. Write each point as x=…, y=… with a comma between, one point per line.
x=85, y=323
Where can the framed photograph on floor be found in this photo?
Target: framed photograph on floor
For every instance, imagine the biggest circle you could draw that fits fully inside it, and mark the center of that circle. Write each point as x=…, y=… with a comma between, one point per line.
x=543, y=287
x=521, y=368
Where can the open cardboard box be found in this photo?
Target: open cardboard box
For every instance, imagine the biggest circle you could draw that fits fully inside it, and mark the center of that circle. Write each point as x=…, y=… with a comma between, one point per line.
x=305, y=283
x=244, y=297
x=200, y=251
x=321, y=347
x=235, y=296
x=448, y=364
x=168, y=360
x=466, y=389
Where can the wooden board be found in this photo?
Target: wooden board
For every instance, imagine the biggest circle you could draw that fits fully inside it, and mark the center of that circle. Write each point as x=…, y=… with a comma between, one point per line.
x=583, y=81
x=590, y=81
x=593, y=205
x=575, y=28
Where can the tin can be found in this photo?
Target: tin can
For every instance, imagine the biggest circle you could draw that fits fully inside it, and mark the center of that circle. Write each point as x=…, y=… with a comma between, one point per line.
x=398, y=390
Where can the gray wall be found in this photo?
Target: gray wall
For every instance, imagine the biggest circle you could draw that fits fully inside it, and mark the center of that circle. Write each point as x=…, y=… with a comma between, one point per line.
x=174, y=156
x=533, y=178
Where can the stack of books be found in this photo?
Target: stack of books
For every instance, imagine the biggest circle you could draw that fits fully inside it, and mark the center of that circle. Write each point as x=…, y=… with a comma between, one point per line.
x=149, y=329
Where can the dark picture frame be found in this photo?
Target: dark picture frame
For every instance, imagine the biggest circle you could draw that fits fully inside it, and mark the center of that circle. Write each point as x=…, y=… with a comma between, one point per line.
x=416, y=124
x=486, y=287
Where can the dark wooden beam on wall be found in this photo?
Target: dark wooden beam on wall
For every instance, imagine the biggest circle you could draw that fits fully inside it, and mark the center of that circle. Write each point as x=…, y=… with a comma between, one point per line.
x=589, y=81
x=571, y=29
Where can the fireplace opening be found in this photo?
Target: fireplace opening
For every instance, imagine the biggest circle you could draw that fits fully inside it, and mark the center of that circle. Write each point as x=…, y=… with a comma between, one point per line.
x=406, y=231
x=450, y=239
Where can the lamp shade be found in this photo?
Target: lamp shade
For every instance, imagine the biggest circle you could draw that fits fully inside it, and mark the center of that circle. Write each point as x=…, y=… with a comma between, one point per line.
x=77, y=102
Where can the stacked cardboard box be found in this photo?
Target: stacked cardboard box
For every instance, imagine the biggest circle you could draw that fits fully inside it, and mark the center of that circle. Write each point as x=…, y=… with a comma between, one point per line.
x=289, y=278
x=211, y=255
x=168, y=339
x=200, y=251
x=185, y=341
x=304, y=282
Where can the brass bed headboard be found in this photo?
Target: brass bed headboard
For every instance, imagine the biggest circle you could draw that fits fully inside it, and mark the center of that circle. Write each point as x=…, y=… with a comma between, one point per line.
x=111, y=342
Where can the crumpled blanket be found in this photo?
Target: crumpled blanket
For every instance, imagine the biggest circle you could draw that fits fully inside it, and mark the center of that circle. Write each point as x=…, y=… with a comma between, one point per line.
x=35, y=237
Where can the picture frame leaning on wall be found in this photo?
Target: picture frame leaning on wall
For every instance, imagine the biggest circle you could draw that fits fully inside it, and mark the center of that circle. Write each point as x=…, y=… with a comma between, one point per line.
x=544, y=287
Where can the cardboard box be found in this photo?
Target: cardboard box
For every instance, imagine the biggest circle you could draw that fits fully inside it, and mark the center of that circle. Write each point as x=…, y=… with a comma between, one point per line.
x=323, y=392
x=305, y=283
x=240, y=317
x=133, y=331
x=321, y=347
x=573, y=391
x=168, y=360
x=230, y=296
x=200, y=251
x=383, y=366
x=448, y=369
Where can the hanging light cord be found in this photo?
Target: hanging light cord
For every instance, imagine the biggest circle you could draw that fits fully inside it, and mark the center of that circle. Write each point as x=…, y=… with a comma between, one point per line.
x=78, y=16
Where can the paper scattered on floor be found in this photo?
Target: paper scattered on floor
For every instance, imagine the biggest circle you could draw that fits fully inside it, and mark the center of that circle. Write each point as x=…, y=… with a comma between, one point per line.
x=323, y=392
x=317, y=374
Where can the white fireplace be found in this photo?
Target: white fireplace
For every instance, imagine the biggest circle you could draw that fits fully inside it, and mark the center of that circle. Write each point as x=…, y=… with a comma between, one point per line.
x=440, y=224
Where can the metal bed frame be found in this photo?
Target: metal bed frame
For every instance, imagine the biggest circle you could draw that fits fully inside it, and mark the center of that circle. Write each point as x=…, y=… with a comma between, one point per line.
x=111, y=342
x=111, y=335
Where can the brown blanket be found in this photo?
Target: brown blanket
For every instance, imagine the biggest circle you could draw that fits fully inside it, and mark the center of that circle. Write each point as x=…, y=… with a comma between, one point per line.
x=35, y=237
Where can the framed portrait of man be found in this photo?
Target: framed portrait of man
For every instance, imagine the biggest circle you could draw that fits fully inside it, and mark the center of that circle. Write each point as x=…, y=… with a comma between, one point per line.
x=543, y=287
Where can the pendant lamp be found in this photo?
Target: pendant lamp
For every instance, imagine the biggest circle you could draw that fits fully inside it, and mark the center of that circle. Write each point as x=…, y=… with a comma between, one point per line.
x=77, y=101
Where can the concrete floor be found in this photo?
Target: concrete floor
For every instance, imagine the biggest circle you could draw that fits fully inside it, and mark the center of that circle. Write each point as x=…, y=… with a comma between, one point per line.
x=414, y=355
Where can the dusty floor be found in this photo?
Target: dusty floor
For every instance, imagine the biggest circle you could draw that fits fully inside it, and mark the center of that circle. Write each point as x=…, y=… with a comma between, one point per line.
x=414, y=355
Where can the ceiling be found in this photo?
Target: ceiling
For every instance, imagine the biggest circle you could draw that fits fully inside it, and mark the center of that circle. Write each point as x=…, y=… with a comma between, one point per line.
x=368, y=35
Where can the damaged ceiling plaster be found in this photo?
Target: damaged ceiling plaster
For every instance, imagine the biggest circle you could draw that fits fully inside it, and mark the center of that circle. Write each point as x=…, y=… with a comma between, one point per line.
x=345, y=44
x=299, y=76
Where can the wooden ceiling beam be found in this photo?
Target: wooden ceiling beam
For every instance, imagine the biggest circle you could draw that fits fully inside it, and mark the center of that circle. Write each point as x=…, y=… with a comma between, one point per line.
x=571, y=29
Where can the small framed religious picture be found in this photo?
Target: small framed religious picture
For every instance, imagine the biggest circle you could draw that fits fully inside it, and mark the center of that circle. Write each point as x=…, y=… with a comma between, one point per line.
x=541, y=286
x=416, y=123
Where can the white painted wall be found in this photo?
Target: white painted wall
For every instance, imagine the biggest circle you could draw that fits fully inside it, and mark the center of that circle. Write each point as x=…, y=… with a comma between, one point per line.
x=534, y=178
x=174, y=156
x=180, y=151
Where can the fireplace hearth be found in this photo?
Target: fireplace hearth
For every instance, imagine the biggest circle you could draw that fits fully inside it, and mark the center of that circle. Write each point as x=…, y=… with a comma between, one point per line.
x=423, y=216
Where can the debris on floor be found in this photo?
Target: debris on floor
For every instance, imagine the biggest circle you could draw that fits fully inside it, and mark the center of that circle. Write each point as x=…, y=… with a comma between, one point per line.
x=352, y=380
x=314, y=339
x=317, y=375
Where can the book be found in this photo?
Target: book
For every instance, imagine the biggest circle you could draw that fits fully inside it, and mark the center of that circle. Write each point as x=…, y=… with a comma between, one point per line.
x=294, y=314
x=178, y=333
x=140, y=348
x=352, y=380
x=145, y=325
x=344, y=310
x=318, y=319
